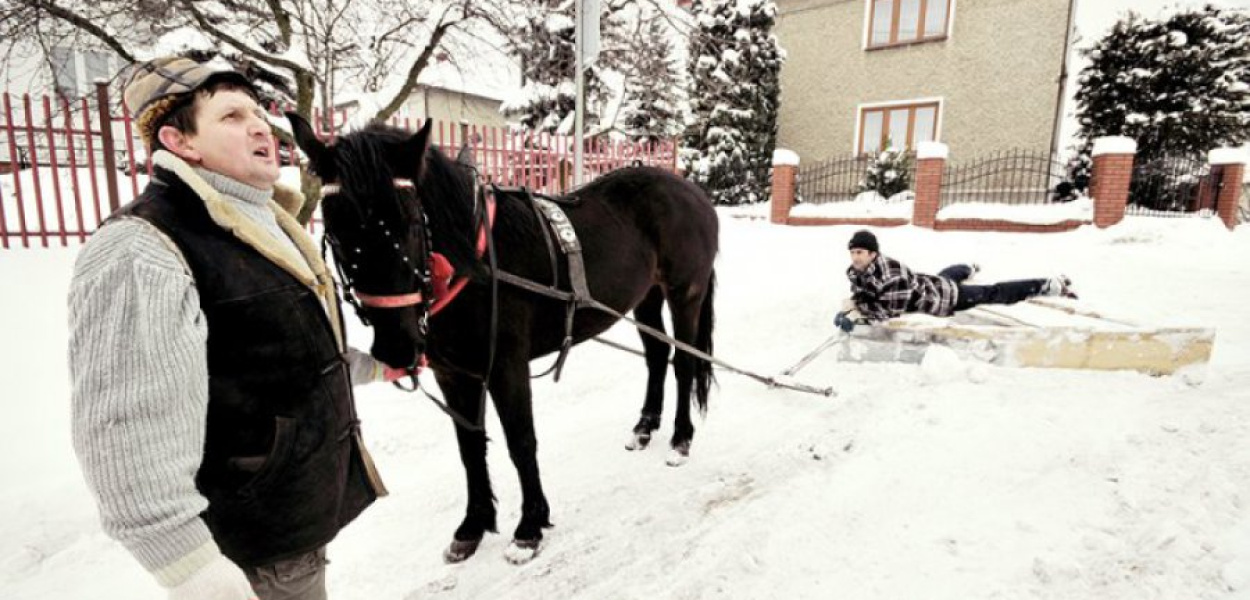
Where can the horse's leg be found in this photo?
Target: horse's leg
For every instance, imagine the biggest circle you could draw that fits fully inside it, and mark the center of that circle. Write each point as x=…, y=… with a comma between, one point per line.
x=510, y=386
x=462, y=395
x=684, y=305
x=657, y=351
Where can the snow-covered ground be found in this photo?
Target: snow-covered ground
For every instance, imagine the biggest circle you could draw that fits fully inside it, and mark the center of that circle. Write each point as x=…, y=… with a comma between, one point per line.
x=1016, y=483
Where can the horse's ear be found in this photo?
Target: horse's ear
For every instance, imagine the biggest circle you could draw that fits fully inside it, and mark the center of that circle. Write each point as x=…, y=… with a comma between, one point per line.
x=306, y=139
x=465, y=156
x=418, y=144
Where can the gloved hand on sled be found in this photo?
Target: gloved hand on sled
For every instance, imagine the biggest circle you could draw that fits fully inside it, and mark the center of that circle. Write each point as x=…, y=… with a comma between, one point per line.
x=845, y=320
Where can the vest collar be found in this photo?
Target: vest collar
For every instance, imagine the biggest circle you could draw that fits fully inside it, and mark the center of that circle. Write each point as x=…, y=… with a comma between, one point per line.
x=311, y=271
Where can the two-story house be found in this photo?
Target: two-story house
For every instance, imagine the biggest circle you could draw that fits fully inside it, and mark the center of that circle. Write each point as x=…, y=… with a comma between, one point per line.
x=978, y=75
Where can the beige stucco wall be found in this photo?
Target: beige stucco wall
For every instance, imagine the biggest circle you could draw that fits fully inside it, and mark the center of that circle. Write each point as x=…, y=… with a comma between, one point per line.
x=445, y=106
x=997, y=74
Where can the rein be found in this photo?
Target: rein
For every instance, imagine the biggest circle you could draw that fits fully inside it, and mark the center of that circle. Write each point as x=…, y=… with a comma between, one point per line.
x=434, y=301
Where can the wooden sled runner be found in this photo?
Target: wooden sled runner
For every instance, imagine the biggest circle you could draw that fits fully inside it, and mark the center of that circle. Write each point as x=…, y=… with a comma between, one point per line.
x=1041, y=332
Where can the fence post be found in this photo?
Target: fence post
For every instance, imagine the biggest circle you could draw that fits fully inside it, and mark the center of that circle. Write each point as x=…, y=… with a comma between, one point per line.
x=1113, y=173
x=930, y=165
x=106, y=143
x=785, y=177
x=1231, y=163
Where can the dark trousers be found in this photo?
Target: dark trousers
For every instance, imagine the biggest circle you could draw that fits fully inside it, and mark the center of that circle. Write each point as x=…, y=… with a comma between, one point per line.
x=1003, y=292
x=299, y=578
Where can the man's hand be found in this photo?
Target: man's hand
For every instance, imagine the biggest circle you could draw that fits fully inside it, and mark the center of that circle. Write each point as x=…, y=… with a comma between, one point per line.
x=218, y=580
x=848, y=305
x=390, y=374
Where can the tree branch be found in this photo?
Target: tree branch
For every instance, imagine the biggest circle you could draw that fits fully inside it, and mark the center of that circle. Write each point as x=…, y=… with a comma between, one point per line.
x=396, y=29
x=282, y=20
x=418, y=65
x=82, y=23
x=242, y=46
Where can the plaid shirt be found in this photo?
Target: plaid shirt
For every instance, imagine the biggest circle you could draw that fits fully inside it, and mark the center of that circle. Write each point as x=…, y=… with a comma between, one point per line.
x=887, y=289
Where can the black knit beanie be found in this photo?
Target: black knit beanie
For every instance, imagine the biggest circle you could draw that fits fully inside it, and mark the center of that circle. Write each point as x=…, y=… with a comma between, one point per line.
x=864, y=239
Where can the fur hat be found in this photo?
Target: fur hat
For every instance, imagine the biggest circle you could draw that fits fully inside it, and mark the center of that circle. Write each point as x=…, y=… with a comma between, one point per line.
x=155, y=86
x=864, y=239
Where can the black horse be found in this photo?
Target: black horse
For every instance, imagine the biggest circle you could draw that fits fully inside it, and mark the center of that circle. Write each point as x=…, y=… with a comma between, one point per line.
x=394, y=207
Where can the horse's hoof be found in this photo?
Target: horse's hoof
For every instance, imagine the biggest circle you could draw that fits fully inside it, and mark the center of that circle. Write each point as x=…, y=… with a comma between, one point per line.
x=520, y=552
x=678, y=455
x=638, y=441
x=459, y=550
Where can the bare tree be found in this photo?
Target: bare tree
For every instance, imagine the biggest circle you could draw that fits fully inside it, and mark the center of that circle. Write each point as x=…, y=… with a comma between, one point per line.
x=297, y=50
x=305, y=48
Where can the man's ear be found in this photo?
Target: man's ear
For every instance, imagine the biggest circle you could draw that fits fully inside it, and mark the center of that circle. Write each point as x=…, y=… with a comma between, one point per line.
x=178, y=143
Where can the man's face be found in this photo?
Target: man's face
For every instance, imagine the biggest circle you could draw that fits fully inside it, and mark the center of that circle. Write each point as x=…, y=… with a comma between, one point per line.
x=861, y=258
x=232, y=138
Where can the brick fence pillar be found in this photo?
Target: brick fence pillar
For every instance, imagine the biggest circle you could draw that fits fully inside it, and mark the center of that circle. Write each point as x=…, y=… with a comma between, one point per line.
x=1113, y=172
x=1231, y=164
x=785, y=179
x=930, y=165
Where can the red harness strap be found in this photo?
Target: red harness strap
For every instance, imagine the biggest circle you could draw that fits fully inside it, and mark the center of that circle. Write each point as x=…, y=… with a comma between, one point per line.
x=441, y=272
x=450, y=289
x=399, y=301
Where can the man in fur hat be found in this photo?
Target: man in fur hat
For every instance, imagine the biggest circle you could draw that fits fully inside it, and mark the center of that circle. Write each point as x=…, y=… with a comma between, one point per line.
x=212, y=407
x=883, y=288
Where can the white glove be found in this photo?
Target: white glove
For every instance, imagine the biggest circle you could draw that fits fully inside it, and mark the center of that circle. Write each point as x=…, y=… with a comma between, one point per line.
x=217, y=580
x=848, y=305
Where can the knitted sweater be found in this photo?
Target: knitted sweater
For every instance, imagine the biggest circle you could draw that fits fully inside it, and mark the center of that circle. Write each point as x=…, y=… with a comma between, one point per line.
x=138, y=364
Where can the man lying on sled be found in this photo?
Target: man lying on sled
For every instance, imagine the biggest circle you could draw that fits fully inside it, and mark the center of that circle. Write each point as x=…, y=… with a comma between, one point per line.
x=883, y=288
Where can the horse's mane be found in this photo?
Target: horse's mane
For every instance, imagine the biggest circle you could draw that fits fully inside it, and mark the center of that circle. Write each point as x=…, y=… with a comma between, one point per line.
x=366, y=159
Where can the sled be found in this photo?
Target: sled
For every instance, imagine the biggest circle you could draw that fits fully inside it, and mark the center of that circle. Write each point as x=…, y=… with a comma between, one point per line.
x=1041, y=332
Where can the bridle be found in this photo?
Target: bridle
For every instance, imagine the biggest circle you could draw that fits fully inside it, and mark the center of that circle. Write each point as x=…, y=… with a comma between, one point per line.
x=420, y=297
x=433, y=271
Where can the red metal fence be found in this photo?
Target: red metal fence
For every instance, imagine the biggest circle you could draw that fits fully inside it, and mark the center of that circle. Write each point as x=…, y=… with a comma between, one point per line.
x=65, y=166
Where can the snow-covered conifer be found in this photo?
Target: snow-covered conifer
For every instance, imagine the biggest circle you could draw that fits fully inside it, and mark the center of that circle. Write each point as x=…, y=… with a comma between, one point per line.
x=735, y=63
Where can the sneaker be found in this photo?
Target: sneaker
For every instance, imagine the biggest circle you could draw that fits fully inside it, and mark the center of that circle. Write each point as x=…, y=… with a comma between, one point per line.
x=1059, y=286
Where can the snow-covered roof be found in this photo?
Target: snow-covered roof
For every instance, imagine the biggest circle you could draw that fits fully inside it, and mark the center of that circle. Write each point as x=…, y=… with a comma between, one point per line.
x=492, y=75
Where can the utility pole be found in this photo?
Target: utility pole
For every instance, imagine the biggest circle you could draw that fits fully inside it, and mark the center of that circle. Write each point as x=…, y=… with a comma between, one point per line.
x=586, y=47
x=579, y=79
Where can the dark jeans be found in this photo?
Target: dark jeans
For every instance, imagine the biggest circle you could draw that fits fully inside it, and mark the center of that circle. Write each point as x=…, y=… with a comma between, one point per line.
x=1004, y=292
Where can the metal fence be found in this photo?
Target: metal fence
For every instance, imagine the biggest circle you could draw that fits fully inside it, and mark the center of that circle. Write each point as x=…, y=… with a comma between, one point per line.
x=65, y=166
x=836, y=179
x=1175, y=186
x=1015, y=176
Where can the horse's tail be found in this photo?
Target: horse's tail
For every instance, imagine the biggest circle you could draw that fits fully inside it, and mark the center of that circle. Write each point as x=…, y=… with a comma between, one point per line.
x=703, y=377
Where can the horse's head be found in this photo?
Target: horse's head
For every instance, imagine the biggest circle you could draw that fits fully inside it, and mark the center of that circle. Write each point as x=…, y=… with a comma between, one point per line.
x=378, y=229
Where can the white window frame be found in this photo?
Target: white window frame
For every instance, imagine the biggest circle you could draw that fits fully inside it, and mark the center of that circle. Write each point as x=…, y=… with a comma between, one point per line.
x=861, y=107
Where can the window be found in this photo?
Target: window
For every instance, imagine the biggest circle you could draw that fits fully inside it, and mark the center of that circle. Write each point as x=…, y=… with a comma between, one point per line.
x=902, y=125
x=76, y=70
x=95, y=66
x=65, y=71
x=895, y=22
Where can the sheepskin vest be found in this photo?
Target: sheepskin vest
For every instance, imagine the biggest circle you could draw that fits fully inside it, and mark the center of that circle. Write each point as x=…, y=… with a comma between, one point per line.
x=283, y=467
